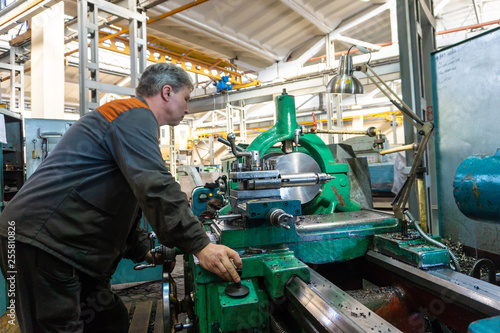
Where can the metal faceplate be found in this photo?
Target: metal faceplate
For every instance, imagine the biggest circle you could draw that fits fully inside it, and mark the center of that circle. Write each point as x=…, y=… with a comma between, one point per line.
x=297, y=163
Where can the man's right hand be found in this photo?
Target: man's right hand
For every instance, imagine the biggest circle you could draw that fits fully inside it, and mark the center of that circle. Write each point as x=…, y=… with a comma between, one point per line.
x=219, y=259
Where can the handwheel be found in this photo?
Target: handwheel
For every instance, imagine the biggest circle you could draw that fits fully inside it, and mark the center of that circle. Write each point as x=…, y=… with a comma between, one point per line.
x=167, y=313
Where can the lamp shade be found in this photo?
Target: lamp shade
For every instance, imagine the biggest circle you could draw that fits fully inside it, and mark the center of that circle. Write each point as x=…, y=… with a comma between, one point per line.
x=344, y=82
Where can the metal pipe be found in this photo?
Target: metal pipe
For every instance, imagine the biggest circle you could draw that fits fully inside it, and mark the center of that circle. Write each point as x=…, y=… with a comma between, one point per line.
x=412, y=146
x=481, y=263
x=474, y=26
x=433, y=241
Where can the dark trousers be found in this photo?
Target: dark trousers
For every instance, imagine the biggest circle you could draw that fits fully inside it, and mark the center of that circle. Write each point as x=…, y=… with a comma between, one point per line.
x=53, y=296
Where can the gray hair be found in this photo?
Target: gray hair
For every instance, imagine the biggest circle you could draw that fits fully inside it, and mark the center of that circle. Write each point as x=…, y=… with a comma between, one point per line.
x=156, y=76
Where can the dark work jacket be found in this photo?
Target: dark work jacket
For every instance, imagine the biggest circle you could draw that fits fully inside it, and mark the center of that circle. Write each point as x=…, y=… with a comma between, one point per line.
x=81, y=203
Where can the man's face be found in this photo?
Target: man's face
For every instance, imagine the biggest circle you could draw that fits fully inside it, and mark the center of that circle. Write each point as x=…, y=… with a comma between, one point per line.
x=176, y=106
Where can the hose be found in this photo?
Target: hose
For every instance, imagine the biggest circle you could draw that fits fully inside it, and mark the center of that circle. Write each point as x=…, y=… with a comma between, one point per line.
x=432, y=241
x=476, y=270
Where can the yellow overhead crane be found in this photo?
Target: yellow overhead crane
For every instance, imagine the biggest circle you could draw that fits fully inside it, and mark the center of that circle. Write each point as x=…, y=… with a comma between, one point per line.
x=161, y=50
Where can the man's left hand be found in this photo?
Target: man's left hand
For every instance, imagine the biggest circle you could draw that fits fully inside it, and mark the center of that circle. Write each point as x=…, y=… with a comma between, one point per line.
x=158, y=260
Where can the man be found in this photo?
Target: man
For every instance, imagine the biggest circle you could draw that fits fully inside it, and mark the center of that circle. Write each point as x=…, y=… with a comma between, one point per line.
x=76, y=216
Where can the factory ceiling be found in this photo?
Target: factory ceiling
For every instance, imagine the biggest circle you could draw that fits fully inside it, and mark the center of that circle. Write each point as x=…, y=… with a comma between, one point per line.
x=263, y=35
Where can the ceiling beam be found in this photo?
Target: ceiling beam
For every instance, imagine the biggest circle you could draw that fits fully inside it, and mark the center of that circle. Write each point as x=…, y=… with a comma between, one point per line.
x=353, y=41
x=363, y=18
x=311, y=16
x=478, y=11
x=218, y=34
x=439, y=8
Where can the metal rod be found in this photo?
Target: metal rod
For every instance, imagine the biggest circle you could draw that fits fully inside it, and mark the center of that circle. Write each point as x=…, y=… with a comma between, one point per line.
x=341, y=131
x=422, y=203
x=412, y=146
x=402, y=105
x=290, y=180
x=304, y=179
x=403, y=195
x=228, y=217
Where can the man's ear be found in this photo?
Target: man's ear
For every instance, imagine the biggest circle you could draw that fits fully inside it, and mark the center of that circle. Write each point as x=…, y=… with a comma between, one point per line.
x=166, y=91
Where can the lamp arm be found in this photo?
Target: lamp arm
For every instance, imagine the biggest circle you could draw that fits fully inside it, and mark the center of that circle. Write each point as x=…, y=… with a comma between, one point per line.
x=399, y=203
x=405, y=109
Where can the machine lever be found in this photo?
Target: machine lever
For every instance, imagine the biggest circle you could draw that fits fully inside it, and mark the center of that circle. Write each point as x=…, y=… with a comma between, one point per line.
x=151, y=237
x=231, y=139
x=227, y=143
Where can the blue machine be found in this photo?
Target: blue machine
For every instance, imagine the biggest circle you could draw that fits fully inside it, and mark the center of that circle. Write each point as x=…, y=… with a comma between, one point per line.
x=42, y=135
x=477, y=187
x=381, y=177
x=201, y=196
x=488, y=325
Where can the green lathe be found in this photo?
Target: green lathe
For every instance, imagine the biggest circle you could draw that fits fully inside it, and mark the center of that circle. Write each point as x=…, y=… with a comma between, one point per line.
x=288, y=207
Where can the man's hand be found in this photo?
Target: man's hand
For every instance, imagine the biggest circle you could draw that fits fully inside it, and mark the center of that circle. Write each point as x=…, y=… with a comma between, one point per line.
x=217, y=259
x=149, y=258
x=158, y=260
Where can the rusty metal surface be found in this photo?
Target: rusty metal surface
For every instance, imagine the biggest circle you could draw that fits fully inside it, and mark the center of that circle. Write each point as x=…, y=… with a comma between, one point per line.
x=392, y=304
x=452, y=298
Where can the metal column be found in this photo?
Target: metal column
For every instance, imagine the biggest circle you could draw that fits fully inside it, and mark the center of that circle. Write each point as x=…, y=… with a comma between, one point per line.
x=329, y=97
x=229, y=118
x=243, y=122
x=340, y=116
x=416, y=32
x=211, y=149
x=230, y=109
x=88, y=32
x=16, y=82
x=173, y=153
